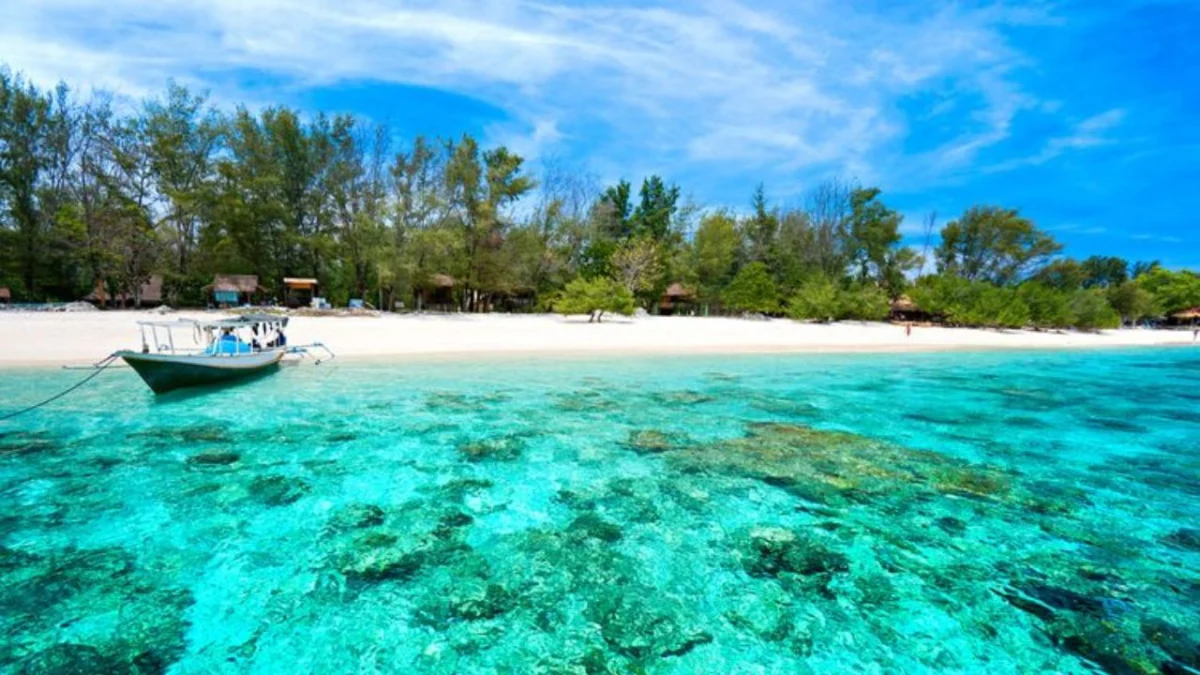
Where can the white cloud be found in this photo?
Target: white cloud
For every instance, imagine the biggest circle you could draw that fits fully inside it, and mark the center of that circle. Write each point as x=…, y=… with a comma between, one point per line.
x=791, y=88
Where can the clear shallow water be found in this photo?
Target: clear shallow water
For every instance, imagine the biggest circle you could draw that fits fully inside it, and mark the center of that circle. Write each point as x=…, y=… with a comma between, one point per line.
x=999, y=513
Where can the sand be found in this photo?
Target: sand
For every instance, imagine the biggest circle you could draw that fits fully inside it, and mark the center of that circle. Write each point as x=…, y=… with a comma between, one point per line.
x=38, y=338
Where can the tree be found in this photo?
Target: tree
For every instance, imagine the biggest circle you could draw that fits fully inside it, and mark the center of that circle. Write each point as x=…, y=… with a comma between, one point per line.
x=996, y=307
x=1065, y=274
x=1172, y=291
x=1131, y=301
x=762, y=229
x=636, y=264
x=182, y=138
x=752, y=290
x=874, y=231
x=945, y=296
x=594, y=297
x=993, y=244
x=1104, y=271
x=1092, y=311
x=1048, y=306
x=652, y=217
x=864, y=302
x=818, y=298
x=715, y=248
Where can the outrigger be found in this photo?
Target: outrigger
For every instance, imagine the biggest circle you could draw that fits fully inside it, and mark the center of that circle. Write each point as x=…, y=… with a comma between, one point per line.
x=228, y=349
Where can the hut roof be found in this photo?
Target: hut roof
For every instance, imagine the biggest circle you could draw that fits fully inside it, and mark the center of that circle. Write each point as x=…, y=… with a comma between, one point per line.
x=151, y=291
x=299, y=282
x=239, y=283
x=904, y=304
x=1193, y=313
x=678, y=290
x=5, y=294
x=442, y=281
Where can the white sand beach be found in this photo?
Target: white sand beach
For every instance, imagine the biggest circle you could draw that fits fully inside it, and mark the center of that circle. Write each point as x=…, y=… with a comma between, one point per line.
x=41, y=338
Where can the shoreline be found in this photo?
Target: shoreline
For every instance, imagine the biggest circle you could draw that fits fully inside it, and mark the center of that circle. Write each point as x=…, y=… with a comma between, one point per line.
x=41, y=339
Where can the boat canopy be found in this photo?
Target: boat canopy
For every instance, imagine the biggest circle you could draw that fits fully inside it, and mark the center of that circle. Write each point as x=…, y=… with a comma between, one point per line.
x=235, y=322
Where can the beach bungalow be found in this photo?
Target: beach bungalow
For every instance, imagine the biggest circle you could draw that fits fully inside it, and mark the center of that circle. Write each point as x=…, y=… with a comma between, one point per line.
x=677, y=299
x=436, y=294
x=230, y=290
x=150, y=294
x=1187, y=317
x=299, y=291
x=903, y=309
x=5, y=296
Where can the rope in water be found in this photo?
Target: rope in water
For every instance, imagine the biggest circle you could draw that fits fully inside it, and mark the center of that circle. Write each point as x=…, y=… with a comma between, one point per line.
x=100, y=367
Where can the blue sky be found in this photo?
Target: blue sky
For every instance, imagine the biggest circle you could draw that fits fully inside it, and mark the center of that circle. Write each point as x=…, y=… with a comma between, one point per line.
x=1084, y=115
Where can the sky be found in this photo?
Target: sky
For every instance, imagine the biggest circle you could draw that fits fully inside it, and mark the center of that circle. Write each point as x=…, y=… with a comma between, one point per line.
x=1084, y=115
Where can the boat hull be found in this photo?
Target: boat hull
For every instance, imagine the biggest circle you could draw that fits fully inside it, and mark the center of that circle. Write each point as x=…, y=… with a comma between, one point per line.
x=168, y=372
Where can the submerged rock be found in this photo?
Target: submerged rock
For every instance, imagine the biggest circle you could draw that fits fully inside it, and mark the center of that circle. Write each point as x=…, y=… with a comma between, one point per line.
x=590, y=525
x=650, y=442
x=640, y=626
x=1185, y=538
x=356, y=516
x=504, y=449
x=70, y=659
x=213, y=458
x=277, y=490
x=772, y=551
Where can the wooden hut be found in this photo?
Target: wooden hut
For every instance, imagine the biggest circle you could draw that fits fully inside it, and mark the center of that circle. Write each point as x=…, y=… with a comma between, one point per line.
x=229, y=290
x=299, y=291
x=437, y=294
x=677, y=299
x=150, y=294
x=1188, y=317
x=905, y=310
x=5, y=296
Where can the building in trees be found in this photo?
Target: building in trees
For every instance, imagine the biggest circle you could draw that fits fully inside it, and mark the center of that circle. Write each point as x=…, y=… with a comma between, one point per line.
x=5, y=296
x=150, y=294
x=299, y=291
x=230, y=290
x=677, y=299
x=436, y=294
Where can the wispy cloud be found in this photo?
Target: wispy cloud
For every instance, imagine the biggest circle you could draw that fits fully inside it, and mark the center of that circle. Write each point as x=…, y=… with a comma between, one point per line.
x=794, y=87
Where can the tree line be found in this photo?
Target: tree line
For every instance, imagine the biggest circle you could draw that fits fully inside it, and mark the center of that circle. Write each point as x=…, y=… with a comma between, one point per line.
x=92, y=195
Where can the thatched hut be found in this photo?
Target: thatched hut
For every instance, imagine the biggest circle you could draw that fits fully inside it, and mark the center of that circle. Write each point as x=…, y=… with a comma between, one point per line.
x=5, y=296
x=437, y=293
x=299, y=291
x=150, y=294
x=1188, y=317
x=904, y=309
x=229, y=290
x=677, y=299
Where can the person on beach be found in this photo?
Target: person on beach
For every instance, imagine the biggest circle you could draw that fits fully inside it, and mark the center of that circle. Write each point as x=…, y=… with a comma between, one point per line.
x=907, y=330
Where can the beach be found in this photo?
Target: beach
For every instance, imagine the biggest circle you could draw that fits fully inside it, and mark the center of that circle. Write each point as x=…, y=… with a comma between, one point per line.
x=45, y=338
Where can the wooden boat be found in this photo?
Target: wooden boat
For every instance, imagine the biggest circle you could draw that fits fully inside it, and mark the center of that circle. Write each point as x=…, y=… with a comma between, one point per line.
x=229, y=350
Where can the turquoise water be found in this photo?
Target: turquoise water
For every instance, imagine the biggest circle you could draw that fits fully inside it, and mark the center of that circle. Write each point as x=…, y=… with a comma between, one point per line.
x=998, y=513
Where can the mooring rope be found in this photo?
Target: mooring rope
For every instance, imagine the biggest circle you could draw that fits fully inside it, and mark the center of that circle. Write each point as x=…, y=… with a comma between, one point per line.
x=100, y=367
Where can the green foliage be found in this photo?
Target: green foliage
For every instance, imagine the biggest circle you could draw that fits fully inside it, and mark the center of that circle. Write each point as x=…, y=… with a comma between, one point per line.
x=817, y=299
x=1091, y=311
x=1105, y=271
x=594, y=297
x=715, y=250
x=874, y=233
x=1172, y=291
x=1062, y=275
x=863, y=302
x=1131, y=301
x=752, y=290
x=1048, y=306
x=995, y=307
x=993, y=244
x=92, y=197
